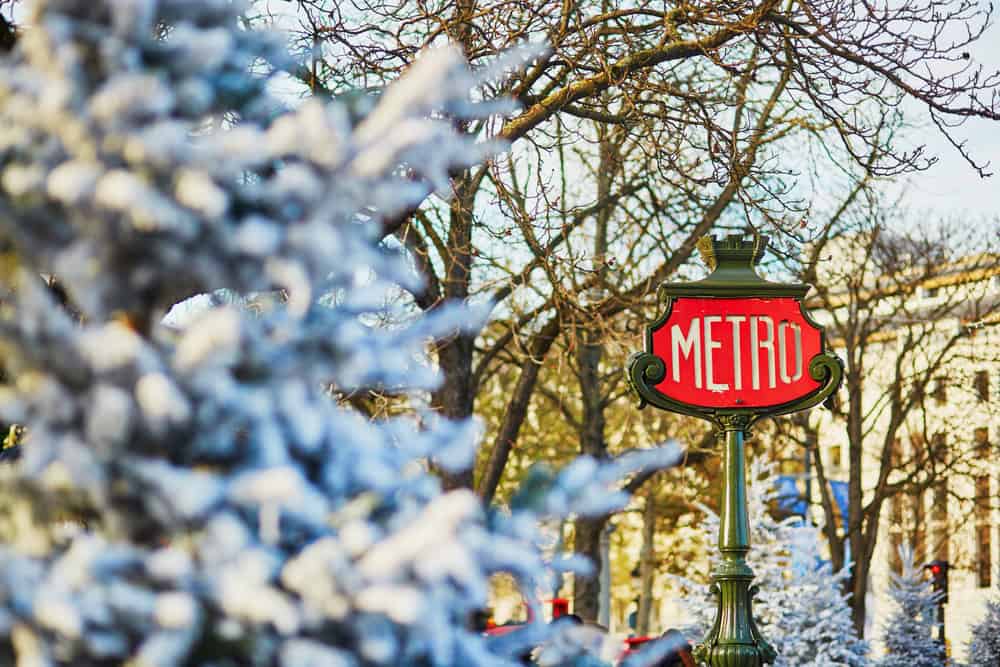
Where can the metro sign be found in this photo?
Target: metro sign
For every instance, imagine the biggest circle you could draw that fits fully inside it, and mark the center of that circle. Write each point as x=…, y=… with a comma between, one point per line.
x=731, y=349
x=737, y=352
x=734, y=342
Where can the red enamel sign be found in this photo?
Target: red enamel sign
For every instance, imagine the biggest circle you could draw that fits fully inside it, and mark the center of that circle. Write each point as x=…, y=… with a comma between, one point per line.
x=736, y=352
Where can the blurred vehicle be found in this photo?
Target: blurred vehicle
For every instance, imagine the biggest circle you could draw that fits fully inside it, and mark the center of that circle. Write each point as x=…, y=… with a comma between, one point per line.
x=559, y=608
x=671, y=649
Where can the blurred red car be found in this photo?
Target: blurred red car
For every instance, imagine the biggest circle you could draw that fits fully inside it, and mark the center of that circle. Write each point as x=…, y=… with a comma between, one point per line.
x=680, y=655
x=560, y=608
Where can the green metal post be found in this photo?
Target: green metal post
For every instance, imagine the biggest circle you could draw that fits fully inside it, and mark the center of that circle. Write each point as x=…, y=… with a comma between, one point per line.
x=734, y=640
x=734, y=533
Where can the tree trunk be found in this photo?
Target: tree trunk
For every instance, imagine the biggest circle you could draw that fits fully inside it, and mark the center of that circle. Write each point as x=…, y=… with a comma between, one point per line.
x=8, y=36
x=587, y=588
x=647, y=568
x=859, y=594
x=586, y=592
x=517, y=409
x=589, y=352
x=455, y=398
x=858, y=579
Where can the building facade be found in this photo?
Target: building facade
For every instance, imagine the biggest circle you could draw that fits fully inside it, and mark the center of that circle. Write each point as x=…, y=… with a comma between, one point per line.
x=938, y=468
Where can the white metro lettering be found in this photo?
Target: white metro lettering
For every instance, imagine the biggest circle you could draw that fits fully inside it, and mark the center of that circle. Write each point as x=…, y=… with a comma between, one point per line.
x=783, y=351
x=711, y=344
x=736, y=321
x=706, y=346
x=689, y=345
x=757, y=344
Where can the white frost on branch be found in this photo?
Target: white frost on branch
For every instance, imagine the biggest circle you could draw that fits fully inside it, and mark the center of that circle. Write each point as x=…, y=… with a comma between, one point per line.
x=227, y=509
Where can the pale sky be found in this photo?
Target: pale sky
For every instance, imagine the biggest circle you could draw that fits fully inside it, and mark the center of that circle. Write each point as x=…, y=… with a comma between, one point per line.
x=952, y=186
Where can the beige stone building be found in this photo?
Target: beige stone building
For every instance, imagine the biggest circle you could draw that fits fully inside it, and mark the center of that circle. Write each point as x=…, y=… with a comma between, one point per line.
x=946, y=453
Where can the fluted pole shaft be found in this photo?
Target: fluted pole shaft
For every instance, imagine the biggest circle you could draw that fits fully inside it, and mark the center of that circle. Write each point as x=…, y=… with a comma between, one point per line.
x=734, y=529
x=734, y=640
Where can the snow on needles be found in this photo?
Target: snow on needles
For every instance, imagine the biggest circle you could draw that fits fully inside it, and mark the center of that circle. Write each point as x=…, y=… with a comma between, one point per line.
x=191, y=494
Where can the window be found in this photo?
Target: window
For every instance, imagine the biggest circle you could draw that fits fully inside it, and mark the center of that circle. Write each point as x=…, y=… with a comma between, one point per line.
x=895, y=560
x=895, y=533
x=896, y=512
x=942, y=547
x=983, y=546
x=939, y=516
x=983, y=556
x=982, y=499
x=917, y=448
x=835, y=456
x=918, y=534
x=792, y=467
x=919, y=539
x=981, y=438
x=939, y=448
x=940, y=390
x=982, y=386
x=896, y=453
x=940, y=511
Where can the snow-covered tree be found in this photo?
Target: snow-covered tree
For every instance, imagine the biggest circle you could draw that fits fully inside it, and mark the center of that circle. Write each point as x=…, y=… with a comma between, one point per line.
x=815, y=626
x=984, y=647
x=195, y=497
x=801, y=609
x=908, y=634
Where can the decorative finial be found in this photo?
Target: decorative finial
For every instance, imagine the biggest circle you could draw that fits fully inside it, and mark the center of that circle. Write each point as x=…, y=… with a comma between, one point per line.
x=732, y=261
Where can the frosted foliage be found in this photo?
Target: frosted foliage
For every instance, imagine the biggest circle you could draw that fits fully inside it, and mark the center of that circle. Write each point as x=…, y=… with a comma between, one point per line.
x=984, y=647
x=193, y=496
x=908, y=633
x=801, y=609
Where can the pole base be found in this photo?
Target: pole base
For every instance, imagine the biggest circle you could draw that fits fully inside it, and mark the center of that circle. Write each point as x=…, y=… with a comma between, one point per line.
x=731, y=655
x=734, y=640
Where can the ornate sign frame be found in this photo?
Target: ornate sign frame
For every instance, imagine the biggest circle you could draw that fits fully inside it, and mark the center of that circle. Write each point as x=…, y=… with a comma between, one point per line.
x=733, y=261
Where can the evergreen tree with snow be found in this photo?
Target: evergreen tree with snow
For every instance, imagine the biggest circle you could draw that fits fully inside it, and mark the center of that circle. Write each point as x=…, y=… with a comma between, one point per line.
x=908, y=634
x=235, y=514
x=800, y=609
x=984, y=647
x=815, y=625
